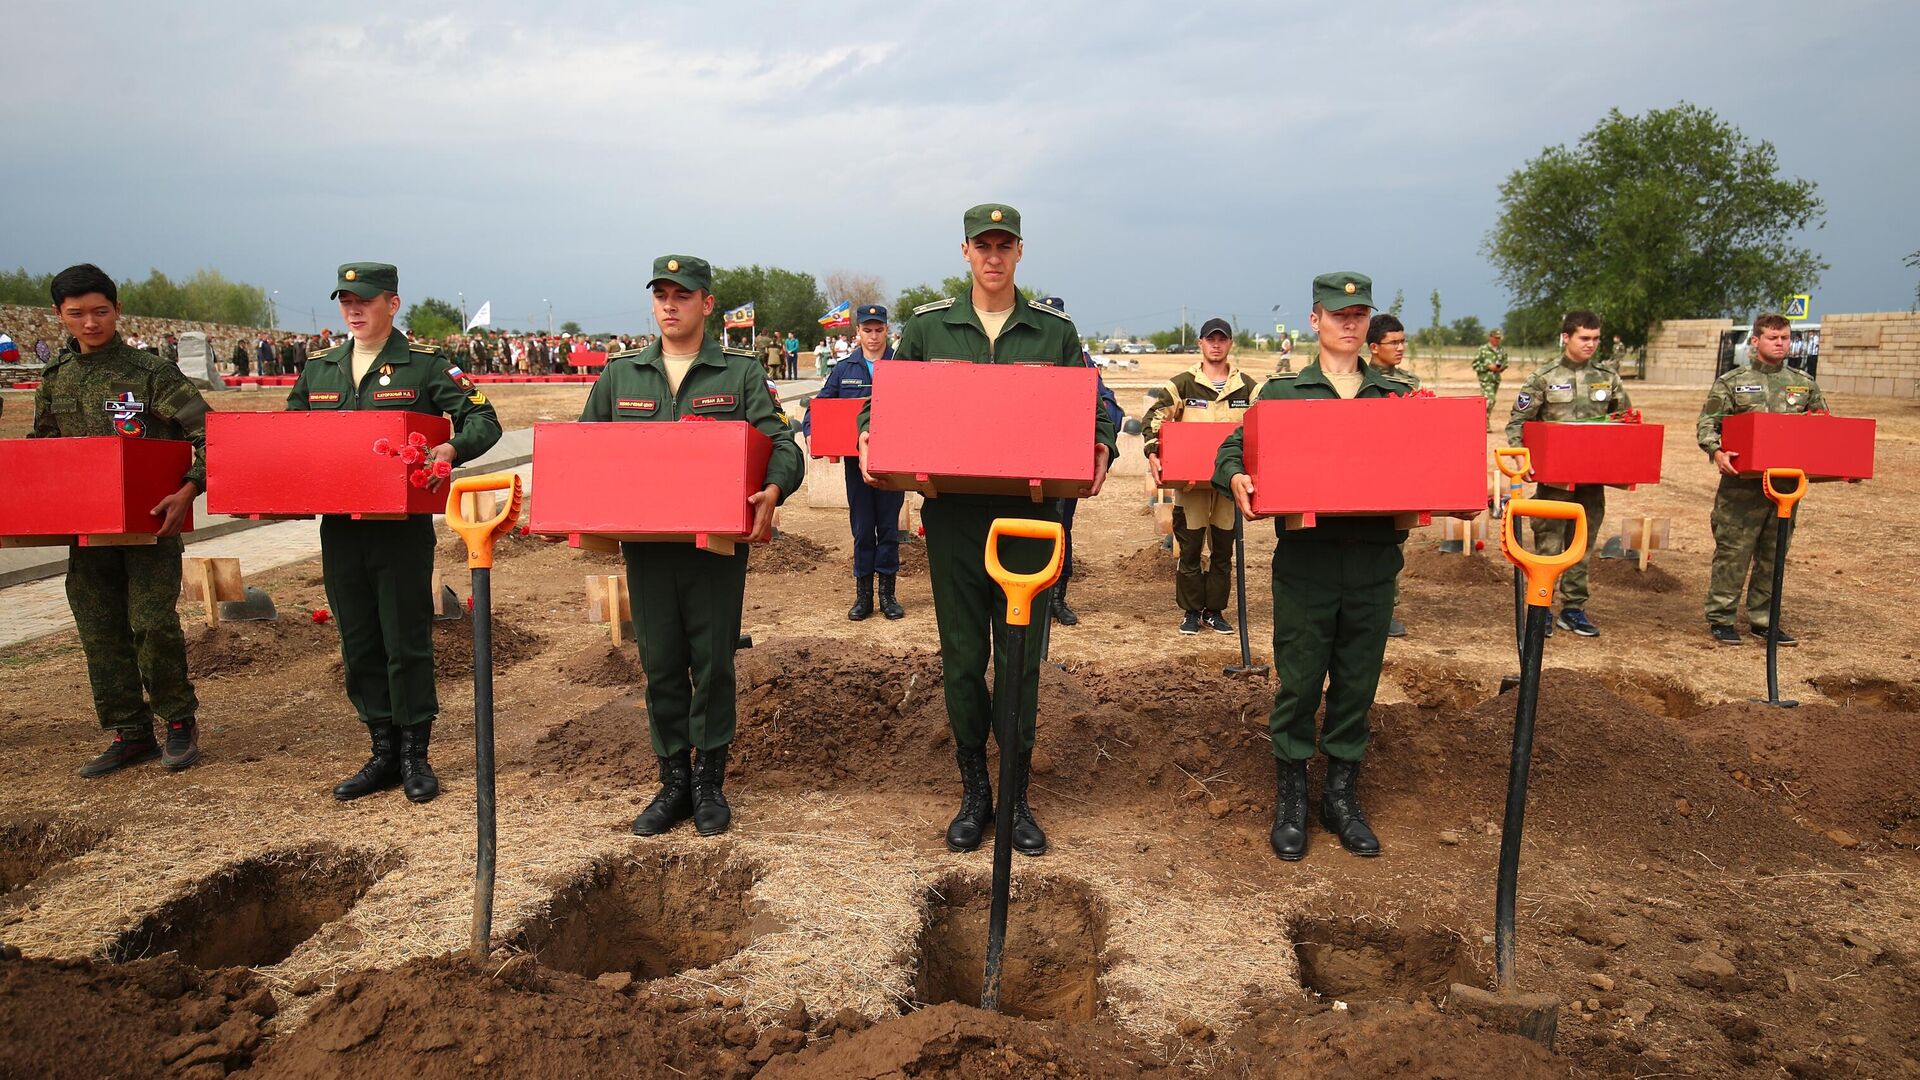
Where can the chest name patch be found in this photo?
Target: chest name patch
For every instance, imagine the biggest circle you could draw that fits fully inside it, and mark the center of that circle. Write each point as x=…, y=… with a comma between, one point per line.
x=1749, y=388
x=324, y=397
x=397, y=394
x=714, y=401
x=634, y=404
x=1564, y=386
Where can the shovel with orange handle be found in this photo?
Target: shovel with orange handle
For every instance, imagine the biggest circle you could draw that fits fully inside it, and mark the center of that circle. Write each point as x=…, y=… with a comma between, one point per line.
x=480, y=537
x=1514, y=463
x=1536, y=1015
x=1783, y=504
x=1021, y=591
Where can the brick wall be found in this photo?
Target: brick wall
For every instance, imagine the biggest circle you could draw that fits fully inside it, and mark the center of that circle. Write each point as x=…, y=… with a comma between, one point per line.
x=1686, y=351
x=1877, y=354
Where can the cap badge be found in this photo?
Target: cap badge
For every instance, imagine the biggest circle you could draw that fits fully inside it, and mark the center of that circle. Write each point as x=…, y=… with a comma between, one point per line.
x=351, y=275
x=996, y=215
x=1351, y=288
x=673, y=266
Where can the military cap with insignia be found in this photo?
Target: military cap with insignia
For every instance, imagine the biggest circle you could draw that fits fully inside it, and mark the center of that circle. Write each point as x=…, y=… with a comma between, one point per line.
x=1053, y=302
x=366, y=280
x=1343, y=289
x=683, y=270
x=992, y=217
x=871, y=313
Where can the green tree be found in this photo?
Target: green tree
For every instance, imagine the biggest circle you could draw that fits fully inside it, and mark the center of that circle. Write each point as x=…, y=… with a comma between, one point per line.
x=31, y=290
x=570, y=327
x=1467, y=331
x=1533, y=326
x=1399, y=302
x=783, y=300
x=1674, y=214
x=1174, y=336
x=914, y=296
x=432, y=318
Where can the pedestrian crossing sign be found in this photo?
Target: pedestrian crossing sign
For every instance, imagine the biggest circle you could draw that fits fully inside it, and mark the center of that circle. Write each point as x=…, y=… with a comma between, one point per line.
x=1279, y=329
x=1800, y=306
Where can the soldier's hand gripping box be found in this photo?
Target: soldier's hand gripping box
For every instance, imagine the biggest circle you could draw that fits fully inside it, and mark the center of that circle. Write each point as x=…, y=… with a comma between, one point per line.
x=684, y=482
x=1406, y=457
x=982, y=429
x=1822, y=446
x=299, y=464
x=834, y=430
x=1596, y=452
x=87, y=491
x=1187, y=452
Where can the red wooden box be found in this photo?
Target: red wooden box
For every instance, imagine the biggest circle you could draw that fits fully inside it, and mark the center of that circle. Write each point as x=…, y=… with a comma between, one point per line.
x=658, y=481
x=1408, y=457
x=1824, y=447
x=298, y=464
x=834, y=430
x=982, y=429
x=87, y=491
x=1617, y=455
x=1187, y=452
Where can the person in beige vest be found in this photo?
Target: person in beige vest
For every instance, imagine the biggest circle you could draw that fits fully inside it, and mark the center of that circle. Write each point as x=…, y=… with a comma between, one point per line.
x=1213, y=391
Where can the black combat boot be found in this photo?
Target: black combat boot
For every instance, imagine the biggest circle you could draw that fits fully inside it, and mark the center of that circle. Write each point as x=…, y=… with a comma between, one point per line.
x=1028, y=839
x=416, y=776
x=889, y=606
x=863, y=598
x=1057, y=607
x=381, y=771
x=127, y=748
x=673, y=803
x=711, y=814
x=976, y=801
x=1340, y=808
x=1289, y=836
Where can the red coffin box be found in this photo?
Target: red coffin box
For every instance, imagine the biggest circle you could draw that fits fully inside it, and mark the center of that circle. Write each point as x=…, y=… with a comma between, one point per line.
x=587, y=358
x=1400, y=456
x=1188, y=449
x=982, y=429
x=297, y=464
x=1617, y=455
x=666, y=481
x=91, y=487
x=834, y=427
x=1823, y=447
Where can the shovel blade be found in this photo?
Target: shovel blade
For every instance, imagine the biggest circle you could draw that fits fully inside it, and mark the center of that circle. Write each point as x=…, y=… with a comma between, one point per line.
x=1614, y=548
x=257, y=606
x=1453, y=547
x=447, y=606
x=1531, y=1016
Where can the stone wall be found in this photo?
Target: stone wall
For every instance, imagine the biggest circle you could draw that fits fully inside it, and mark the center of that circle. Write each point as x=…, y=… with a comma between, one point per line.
x=1871, y=354
x=1687, y=351
x=28, y=325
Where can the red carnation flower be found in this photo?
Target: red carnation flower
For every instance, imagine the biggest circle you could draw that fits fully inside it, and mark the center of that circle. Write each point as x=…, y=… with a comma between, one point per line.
x=418, y=478
x=443, y=469
x=382, y=446
x=321, y=615
x=414, y=438
x=411, y=455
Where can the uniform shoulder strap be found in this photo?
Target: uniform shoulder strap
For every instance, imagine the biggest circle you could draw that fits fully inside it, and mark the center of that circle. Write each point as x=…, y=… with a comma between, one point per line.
x=937, y=305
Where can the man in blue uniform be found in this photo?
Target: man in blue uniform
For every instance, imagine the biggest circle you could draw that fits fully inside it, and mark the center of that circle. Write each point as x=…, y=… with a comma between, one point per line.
x=875, y=513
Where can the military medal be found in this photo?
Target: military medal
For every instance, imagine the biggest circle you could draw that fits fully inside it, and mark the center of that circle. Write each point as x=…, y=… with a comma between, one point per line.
x=385, y=379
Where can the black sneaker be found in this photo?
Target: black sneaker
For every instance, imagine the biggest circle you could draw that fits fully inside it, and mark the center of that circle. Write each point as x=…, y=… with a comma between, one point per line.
x=1576, y=620
x=1190, y=624
x=183, y=745
x=1725, y=635
x=1216, y=622
x=1786, y=639
x=125, y=750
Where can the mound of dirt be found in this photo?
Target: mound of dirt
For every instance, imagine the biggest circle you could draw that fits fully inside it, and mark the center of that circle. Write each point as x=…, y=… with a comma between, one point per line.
x=788, y=553
x=1626, y=574
x=954, y=1040
x=1375, y=1042
x=602, y=665
x=71, y=1018
x=453, y=646
x=913, y=559
x=512, y=545
x=232, y=646
x=1148, y=563
x=1426, y=563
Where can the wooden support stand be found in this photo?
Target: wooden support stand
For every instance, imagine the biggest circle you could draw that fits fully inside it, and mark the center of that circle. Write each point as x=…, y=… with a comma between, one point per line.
x=1644, y=535
x=608, y=602
x=209, y=581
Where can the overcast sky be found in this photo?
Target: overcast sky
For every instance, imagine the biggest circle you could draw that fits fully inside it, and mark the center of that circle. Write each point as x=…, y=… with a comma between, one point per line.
x=1216, y=155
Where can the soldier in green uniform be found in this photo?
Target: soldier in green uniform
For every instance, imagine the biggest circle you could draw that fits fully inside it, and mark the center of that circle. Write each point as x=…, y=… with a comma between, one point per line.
x=123, y=596
x=1574, y=387
x=1488, y=363
x=1386, y=353
x=991, y=324
x=1743, y=517
x=1333, y=592
x=686, y=600
x=379, y=574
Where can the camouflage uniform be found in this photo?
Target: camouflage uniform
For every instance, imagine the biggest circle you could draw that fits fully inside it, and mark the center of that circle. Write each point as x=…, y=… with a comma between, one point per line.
x=123, y=596
x=1203, y=515
x=1743, y=531
x=1488, y=363
x=1401, y=372
x=1562, y=391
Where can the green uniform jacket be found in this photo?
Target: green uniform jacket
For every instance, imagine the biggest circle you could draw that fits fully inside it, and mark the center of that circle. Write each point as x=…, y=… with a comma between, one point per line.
x=419, y=378
x=722, y=384
x=120, y=390
x=1756, y=387
x=1399, y=372
x=1489, y=361
x=1034, y=334
x=1309, y=384
x=1566, y=391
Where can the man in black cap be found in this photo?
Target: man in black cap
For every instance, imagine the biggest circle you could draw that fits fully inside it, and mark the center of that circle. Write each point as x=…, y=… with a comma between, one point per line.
x=875, y=513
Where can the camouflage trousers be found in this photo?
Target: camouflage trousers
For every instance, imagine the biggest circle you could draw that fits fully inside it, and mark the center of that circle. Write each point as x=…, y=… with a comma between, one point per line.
x=1745, y=533
x=1489, y=389
x=1553, y=537
x=123, y=605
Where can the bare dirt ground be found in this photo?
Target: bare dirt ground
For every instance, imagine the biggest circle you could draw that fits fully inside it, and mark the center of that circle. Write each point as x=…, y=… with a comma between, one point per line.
x=1712, y=888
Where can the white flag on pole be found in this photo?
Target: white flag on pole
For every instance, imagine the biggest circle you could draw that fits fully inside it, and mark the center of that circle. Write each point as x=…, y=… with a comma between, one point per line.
x=483, y=317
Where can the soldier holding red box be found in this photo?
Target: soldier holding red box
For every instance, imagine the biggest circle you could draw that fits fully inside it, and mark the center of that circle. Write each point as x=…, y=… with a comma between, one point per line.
x=123, y=596
x=1574, y=387
x=1743, y=529
x=990, y=324
x=379, y=574
x=686, y=600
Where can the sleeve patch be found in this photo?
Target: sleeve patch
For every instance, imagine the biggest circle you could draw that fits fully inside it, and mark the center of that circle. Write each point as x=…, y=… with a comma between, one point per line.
x=1523, y=402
